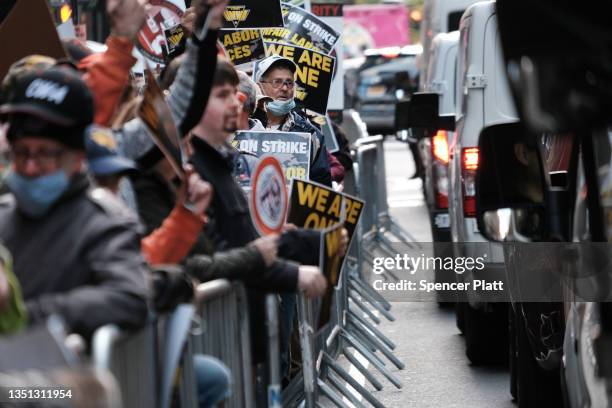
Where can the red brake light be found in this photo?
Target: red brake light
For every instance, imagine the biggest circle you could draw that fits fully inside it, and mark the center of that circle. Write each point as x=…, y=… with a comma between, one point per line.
x=439, y=145
x=471, y=158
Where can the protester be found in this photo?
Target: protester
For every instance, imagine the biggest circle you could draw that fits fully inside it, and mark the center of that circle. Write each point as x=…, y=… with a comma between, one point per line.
x=230, y=224
x=73, y=254
x=276, y=76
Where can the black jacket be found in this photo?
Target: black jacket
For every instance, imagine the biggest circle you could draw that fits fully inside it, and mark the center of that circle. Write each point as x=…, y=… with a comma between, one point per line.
x=230, y=227
x=155, y=202
x=81, y=260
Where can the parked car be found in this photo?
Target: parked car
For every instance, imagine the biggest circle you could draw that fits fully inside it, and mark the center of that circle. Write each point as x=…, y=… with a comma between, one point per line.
x=386, y=76
x=563, y=345
x=434, y=150
x=483, y=99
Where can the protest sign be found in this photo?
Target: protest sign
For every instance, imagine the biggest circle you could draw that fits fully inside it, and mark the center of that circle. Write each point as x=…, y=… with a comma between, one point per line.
x=305, y=4
x=268, y=199
x=175, y=42
x=155, y=113
x=243, y=46
x=241, y=14
x=162, y=15
x=292, y=149
x=312, y=205
x=303, y=29
x=29, y=26
x=330, y=263
x=332, y=15
x=313, y=76
x=331, y=142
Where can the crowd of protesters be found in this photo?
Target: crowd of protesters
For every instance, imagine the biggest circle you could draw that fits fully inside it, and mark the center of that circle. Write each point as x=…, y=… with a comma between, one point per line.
x=92, y=209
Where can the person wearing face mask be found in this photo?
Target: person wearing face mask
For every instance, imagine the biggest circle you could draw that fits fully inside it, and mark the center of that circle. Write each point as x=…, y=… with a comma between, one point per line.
x=74, y=255
x=276, y=77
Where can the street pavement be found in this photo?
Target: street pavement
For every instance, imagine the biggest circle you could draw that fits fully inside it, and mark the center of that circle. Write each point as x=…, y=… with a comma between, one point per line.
x=437, y=373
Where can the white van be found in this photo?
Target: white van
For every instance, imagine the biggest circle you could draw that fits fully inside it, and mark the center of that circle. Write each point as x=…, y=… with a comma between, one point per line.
x=434, y=150
x=483, y=99
x=439, y=16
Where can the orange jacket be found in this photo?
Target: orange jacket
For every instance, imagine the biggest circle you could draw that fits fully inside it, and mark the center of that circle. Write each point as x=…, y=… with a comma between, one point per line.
x=107, y=74
x=173, y=240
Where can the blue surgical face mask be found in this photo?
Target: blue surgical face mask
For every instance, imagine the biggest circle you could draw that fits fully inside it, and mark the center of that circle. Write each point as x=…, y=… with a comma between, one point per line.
x=280, y=108
x=36, y=195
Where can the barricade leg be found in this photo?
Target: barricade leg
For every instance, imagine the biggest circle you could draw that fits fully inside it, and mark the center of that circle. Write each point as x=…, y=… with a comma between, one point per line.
x=369, y=289
x=337, y=383
x=356, y=319
x=363, y=370
x=378, y=345
x=366, y=296
x=372, y=358
x=364, y=308
x=330, y=394
x=351, y=381
x=307, y=346
x=274, y=387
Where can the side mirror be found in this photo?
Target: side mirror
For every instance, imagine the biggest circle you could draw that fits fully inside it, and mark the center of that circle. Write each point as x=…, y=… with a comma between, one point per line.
x=510, y=184
x=422, y=111
x=514, y=224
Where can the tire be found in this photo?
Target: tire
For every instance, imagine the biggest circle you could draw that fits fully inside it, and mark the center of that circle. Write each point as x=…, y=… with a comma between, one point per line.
x=536, y=387
x=513, y=353
x=459, y=316
x=486, y=335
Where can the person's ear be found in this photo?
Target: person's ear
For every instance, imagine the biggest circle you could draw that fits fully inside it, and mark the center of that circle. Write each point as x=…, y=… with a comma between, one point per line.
x=520, y=152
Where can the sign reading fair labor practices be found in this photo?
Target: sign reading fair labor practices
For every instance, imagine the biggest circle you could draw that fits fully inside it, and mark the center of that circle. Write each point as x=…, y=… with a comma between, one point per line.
x=315, y=206
x=304, y=30
x=268, y=200
x=292, y=149
x=332, y=14
x=243, y=46
x=241, y=14
x=330, y=263
x=155, y=113
x=162, y=15
x=313, y=76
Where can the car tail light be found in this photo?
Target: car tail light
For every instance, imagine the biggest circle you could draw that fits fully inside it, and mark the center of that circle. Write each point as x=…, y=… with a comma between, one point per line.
x=439, y=146
x=469, y=159
x=439, y=151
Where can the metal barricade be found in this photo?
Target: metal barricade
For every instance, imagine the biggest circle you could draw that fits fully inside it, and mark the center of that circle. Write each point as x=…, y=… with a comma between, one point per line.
x=132, y=359
x=350, y=332
x=224, y=334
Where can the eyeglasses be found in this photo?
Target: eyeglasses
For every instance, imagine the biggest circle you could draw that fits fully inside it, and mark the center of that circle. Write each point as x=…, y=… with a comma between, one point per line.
x=42, y=158
x=278, y=83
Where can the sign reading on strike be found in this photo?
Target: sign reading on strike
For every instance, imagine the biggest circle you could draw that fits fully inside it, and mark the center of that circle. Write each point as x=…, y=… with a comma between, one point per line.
x=268, y=200
x=292, y=149
x=313, y=76
x=303, y=29
x=241, y=14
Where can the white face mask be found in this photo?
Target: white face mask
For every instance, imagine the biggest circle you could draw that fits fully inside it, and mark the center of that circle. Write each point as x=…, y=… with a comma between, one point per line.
x=280, y=108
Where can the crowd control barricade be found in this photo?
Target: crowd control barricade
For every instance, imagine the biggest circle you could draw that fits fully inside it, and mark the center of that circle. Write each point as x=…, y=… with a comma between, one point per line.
x=132, y=359
x=357, y=306
x=223, y=333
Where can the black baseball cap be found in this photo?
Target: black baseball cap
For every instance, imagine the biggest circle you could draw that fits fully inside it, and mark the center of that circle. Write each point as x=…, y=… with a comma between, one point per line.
x=56, y=95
